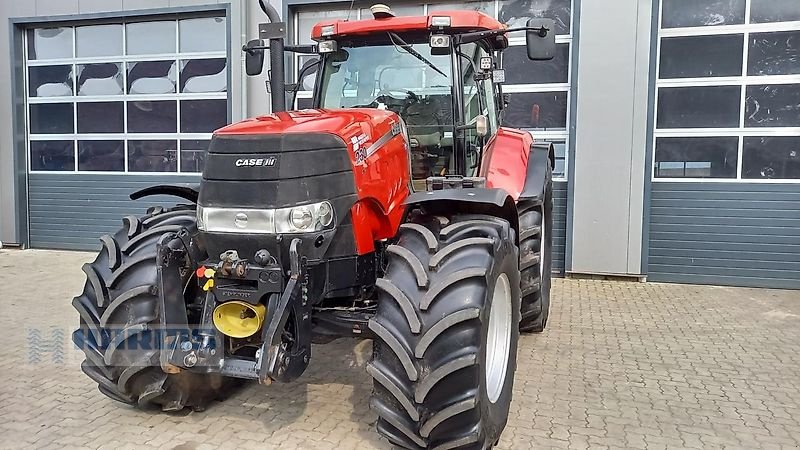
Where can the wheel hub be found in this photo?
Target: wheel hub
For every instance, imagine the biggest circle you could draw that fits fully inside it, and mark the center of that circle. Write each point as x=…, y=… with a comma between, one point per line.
x=498, y=342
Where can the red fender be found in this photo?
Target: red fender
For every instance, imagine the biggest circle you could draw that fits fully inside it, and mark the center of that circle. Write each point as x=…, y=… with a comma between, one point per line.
x=505, y=161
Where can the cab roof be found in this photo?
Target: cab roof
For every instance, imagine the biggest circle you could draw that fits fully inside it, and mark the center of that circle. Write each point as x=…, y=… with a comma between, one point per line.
x=460, y=21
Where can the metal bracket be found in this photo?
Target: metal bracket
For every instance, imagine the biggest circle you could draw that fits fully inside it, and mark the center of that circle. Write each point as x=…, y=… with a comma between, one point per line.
x=274, y=362
x=275, y=30
x=172, y=316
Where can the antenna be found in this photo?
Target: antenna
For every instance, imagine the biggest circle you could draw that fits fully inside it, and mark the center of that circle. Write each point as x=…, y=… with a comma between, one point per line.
x=350, y=10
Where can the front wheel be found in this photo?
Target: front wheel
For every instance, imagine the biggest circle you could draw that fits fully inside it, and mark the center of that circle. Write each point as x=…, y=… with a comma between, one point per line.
x=447, y=328
x=119, y=319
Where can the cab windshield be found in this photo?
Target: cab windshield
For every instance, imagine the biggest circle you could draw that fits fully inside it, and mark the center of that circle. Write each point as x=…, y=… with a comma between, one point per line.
x=406, y=79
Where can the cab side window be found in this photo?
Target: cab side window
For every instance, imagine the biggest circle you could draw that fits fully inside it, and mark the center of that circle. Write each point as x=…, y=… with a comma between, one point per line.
x=479, y=99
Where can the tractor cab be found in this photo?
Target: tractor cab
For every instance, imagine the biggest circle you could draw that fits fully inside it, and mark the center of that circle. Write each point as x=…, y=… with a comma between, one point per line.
x=440, y=73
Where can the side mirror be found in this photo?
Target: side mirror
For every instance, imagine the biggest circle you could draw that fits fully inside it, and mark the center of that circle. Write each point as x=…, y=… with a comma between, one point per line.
x=254, y=57
x=541, y=39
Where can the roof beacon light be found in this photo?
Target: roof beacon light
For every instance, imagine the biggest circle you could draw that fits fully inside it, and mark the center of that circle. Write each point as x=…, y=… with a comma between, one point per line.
x=381, y=11
x=440, y=21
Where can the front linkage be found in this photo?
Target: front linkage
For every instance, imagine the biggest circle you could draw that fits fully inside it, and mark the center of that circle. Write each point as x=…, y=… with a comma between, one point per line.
x=280, y=357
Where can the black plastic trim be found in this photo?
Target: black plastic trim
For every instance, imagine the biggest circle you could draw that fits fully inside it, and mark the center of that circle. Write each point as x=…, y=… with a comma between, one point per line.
x=542, y=155
x=496, y=197
x=494, y=202
x=190, y=193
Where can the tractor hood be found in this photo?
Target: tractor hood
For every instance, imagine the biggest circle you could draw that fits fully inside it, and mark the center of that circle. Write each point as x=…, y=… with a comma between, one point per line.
x=286, y=159
x=358, y=128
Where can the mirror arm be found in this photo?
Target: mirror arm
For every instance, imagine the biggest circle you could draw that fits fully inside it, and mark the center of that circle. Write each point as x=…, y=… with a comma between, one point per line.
x=467, y=38
x=470, y=126
x=252, y=50
x=302, y=49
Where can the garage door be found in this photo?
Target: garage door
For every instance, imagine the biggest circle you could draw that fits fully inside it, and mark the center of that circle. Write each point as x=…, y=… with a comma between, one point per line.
x=540, y=92
x=725, y=205
x=114, y=107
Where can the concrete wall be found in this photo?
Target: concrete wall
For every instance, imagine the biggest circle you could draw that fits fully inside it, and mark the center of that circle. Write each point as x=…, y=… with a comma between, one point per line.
x=8, y=207
x=611, y=135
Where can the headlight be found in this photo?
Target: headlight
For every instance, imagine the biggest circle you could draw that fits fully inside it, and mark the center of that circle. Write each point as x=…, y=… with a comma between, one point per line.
x=297, y=219
x=201, y=222
x=304, y=218
x=301, y=217
x=325, y=213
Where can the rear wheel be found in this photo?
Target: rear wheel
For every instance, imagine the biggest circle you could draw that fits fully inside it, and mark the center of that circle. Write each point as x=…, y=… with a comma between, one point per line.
x=447, y=330
x=536, y=260
x=119, y=320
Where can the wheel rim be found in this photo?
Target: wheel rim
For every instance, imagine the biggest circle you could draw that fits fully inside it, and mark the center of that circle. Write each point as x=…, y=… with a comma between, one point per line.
x=542, y=240
x=498, y=343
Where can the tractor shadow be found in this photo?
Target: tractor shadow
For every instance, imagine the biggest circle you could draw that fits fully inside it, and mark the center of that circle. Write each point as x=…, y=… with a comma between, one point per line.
x=333, y=391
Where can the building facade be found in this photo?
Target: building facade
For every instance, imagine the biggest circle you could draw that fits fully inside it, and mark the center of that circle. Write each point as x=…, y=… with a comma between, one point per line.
x=676, y=122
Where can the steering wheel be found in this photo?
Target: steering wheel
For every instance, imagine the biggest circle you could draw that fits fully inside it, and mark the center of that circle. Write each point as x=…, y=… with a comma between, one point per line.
x=409, y=95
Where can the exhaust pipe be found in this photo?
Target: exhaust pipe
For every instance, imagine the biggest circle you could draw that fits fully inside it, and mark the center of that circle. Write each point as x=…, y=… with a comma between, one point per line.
x=277, y=79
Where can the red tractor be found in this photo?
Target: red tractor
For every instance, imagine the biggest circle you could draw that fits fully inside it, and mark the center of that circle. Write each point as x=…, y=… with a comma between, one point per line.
x=398, y=209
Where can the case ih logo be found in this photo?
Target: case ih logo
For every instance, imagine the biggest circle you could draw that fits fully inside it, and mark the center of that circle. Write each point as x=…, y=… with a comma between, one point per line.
x=260, y=162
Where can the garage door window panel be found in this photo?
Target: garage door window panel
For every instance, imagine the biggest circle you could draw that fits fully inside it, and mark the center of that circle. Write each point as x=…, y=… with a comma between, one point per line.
x=50, y=81
x=100, y=79
x=774, y=53
x=699, y=107
x=152, y=77
x=101, y=156
x=515, y=13
x=521, y=70
x=151, y=38
x=202, y=35
x=98, y=41
x=700, y=157
x=537, y=111
x=486, y=7
x=101, y=117
x=153, y=156
x=52, y=118
x=152, y=116
x=694, y=13
x=203, y=116
x=771, y=158
x=50, y=43
x=193, y=155
x=773, y=106
x=52, y=155
x=204, y=76
x=701, y=56
x=765, y=11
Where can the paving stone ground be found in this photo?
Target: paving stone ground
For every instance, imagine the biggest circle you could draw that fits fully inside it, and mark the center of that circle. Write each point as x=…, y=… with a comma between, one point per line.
x=622, y=365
